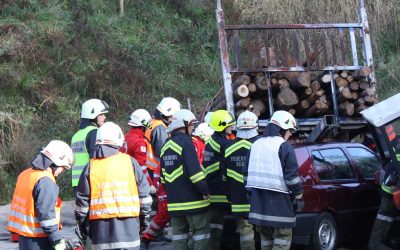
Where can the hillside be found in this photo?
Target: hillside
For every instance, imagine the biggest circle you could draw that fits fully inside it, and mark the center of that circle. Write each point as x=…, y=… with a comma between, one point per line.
x=54, y=54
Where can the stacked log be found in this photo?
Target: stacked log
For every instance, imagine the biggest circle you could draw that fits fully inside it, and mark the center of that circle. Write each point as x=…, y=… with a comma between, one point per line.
x=304, y=94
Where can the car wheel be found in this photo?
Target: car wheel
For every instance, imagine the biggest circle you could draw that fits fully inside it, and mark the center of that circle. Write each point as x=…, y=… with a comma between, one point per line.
x=325, y=233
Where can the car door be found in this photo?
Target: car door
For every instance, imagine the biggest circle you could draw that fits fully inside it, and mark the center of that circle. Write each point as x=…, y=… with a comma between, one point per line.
x=367, y=164
x=368, y=197
x=338, y=185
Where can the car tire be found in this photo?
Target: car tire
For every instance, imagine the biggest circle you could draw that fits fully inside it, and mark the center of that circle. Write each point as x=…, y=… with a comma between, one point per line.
x=325, y=233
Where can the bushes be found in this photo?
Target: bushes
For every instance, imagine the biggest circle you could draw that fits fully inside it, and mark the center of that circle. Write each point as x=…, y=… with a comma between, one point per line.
x=56, y=54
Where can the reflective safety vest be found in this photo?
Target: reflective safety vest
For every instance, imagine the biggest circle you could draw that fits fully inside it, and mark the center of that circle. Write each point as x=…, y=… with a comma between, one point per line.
x=23, y=219
x=81, y=154
x=265, y=168
x=152, y=160
x=113, y=188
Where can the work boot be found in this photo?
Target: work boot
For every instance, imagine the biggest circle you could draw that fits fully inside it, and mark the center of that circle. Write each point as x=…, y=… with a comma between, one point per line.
x=144, y=244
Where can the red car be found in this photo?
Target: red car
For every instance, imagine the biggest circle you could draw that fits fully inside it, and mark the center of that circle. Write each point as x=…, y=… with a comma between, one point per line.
x=341, y=197
x=340, y=194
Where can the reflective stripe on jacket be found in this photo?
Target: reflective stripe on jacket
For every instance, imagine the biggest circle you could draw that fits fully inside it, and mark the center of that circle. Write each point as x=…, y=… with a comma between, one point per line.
x=152, y=160
x=23, y=218
x=182, y=176
x=213, y=155
x=387, y=189
x=114, y=192
x=265, y=171
x=235, y=160
x=81, y=155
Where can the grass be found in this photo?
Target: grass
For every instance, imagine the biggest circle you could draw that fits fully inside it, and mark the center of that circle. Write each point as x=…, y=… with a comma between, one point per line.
x=54, y=54
x=57, y=53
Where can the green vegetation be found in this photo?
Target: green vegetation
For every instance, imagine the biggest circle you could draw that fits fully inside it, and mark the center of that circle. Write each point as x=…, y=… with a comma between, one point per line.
x=54, y=54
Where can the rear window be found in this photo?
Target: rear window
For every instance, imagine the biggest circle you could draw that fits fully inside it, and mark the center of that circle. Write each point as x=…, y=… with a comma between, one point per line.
x=332, y=164
x=367, y=162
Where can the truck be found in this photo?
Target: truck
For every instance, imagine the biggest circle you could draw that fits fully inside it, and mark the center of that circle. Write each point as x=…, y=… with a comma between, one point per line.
x=322, y=73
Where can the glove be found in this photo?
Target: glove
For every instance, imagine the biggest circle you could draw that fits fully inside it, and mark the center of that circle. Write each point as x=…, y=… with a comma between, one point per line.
x=81, y=231
x=298, y=204
x=153, y=189
x=60, y=245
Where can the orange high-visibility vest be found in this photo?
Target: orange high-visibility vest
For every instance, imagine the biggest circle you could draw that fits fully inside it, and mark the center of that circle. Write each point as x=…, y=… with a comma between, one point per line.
x=152, y=160
x=113, y=189
x=23, y=219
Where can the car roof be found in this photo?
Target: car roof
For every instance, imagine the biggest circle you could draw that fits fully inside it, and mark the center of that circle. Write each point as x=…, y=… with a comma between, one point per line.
x=329, y=144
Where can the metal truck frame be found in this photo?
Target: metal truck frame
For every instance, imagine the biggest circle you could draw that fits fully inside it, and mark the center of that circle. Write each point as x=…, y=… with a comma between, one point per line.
x=328, y=41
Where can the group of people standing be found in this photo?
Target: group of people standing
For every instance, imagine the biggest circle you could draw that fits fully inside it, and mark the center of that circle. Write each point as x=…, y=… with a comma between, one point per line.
x=194, y=173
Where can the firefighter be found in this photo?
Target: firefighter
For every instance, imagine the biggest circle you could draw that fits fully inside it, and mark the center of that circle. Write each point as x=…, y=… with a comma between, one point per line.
x=83, y=142
x=36, y=206
x=156, y=137
x=112, y=192
x=136, y=146
x=235, y=161
x=274, y=183
x=200, y=137
x=185, y=184
x=221, y=121
x=135, y=143
x=387, y=209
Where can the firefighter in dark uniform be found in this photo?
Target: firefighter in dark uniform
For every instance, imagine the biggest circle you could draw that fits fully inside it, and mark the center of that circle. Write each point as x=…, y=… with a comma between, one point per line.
x=235, y=160
x=222, y=123
x=274, y=183
x=185, y=185
x=387, y=209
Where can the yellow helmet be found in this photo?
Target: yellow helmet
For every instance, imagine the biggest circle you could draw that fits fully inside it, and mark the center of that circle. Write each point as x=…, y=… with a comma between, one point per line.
x=221, y=119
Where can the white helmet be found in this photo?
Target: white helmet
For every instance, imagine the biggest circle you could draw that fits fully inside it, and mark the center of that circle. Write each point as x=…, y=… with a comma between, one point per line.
x=247, y=120
x=93, y=107
x=60, y=153
x=182, y=118
x=140, y=118
x=284, y=119
x=168, y=106
x=111, y=134
x=204, y=131
x=208, y=116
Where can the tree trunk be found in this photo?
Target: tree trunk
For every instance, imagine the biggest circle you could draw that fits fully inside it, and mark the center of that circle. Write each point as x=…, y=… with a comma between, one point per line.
x=317, y=107
x=286, y=98
x=346, y=109
x=367, y=92
x=354, y=86
x=258, y=104
x=243, y=103
x=361, y=74
x=263, y=82
x=303, y=80
x=252, y=88
x=343, y=94
x=341, y=82
x=315, y=85
x=242, y=91
x=121, y=8
x=315, y=96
